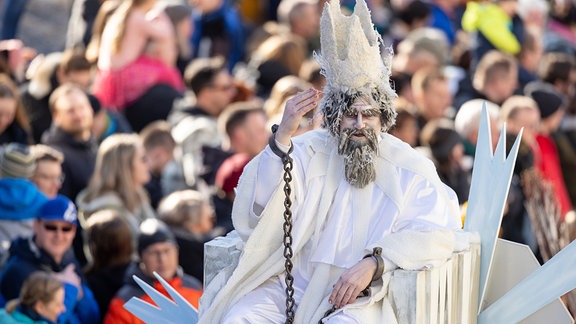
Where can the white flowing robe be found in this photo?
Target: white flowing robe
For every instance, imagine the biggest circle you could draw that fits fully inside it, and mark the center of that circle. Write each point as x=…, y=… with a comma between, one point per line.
x=407, y=211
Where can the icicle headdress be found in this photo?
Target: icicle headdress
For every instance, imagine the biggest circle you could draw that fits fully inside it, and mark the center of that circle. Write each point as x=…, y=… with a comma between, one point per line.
x=353, y=65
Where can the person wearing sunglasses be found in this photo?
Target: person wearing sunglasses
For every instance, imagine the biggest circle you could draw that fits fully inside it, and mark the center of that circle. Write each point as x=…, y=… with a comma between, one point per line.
x=49, y=249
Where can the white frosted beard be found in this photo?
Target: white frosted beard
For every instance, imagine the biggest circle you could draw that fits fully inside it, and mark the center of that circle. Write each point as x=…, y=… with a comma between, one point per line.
x=358, y=156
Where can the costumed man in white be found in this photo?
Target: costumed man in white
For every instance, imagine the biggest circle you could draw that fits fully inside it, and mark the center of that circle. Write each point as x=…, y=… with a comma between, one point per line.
x=354, y=188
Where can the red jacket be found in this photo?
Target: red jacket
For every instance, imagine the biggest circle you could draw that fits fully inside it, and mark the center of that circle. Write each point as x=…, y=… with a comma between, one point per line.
x=548, y=163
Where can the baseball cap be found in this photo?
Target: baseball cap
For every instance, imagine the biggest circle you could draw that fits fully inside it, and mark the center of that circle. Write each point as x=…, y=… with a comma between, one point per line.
x=59, y=208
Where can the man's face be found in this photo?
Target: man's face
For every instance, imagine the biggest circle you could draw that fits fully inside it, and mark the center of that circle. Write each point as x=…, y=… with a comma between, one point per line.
x=73, y=113
x=255, y=133
x=55, y=237
x=529, y=119
x=361, y=115
x=48, y=177
x=506, y=85
x=436, y=99
x=162, y=258
x=358, y=141
x=223, y=90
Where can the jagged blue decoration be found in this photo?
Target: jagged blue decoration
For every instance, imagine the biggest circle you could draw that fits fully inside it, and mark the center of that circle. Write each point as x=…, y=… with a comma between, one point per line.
x=167, y=311
x=491, y=179
x=555, y=278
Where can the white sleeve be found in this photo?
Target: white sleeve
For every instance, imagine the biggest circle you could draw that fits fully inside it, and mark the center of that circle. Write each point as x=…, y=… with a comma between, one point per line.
x=270, y=172
x=428, y=207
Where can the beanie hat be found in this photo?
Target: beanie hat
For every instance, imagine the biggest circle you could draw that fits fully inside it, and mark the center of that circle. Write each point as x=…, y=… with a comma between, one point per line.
x=16, y=161
x=58, y=209
x=153, y=231
x=547, y=98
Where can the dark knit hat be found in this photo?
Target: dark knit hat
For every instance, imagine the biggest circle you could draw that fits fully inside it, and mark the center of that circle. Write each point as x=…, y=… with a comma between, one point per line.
x=547, y=98
x=16, y=161
x=154, y=231
x=58, y=209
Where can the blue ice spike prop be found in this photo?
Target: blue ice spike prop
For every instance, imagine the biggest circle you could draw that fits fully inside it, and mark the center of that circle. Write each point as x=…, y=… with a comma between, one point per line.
x=555, y=278
x=491, y=178
x=167, y=311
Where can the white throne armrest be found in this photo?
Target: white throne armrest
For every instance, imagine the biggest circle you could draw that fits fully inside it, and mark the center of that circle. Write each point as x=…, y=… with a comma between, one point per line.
x=221, y=256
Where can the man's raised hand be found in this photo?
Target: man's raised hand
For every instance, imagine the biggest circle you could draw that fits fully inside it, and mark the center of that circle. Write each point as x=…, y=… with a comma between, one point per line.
x=296, y=108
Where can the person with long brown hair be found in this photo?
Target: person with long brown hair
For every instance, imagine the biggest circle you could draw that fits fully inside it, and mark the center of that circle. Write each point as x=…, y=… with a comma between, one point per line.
x=112, y=250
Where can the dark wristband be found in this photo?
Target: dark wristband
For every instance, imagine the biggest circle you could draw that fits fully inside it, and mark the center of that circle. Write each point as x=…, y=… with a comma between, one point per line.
x=377, y=256
x=275, y=148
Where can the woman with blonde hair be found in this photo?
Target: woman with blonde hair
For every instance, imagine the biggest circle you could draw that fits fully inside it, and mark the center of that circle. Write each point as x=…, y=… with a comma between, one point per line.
x=137, y=51
x=41, y=301
x=118, y=181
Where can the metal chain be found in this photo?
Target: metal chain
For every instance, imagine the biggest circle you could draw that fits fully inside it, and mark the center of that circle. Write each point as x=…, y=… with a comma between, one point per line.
x=288, y=253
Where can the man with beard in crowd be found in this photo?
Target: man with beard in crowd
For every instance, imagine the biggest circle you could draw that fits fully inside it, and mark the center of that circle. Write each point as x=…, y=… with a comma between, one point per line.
x=363, y=203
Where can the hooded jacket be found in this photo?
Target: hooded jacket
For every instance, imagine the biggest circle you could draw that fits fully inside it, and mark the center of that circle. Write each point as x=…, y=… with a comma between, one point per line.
x=20, y=200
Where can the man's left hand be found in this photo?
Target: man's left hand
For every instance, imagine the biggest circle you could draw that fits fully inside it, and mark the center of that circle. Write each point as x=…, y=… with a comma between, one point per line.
x=352, y=282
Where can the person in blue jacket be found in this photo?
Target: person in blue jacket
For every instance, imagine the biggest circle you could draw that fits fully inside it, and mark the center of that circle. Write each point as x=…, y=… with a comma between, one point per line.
x=218, y=31
x=49, y=249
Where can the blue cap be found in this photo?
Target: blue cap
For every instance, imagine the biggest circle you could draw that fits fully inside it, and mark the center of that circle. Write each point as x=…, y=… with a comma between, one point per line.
x=58, y=209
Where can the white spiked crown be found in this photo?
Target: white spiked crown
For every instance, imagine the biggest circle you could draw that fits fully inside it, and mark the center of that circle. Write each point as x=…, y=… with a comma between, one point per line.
x=352, y=62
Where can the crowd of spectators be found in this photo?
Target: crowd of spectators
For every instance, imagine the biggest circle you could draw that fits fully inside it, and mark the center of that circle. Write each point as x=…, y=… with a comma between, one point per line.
x=145, y=121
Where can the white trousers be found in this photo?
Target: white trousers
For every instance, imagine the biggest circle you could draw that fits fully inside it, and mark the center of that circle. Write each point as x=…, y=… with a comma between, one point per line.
x=267, y=304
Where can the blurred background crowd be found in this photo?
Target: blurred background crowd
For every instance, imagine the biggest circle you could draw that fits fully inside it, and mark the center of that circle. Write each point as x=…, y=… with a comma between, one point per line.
x=125, y=127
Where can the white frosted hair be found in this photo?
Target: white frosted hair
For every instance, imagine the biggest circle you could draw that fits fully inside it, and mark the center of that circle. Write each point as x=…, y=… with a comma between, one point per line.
x=353, y=64
x=467, y=119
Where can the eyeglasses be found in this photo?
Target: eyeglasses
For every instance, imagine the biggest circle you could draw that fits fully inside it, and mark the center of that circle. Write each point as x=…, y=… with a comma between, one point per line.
x=54, y=228
x=59, y=179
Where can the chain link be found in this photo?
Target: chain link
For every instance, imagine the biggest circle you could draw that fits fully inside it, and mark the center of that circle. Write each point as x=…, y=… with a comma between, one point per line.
x=288, y=253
